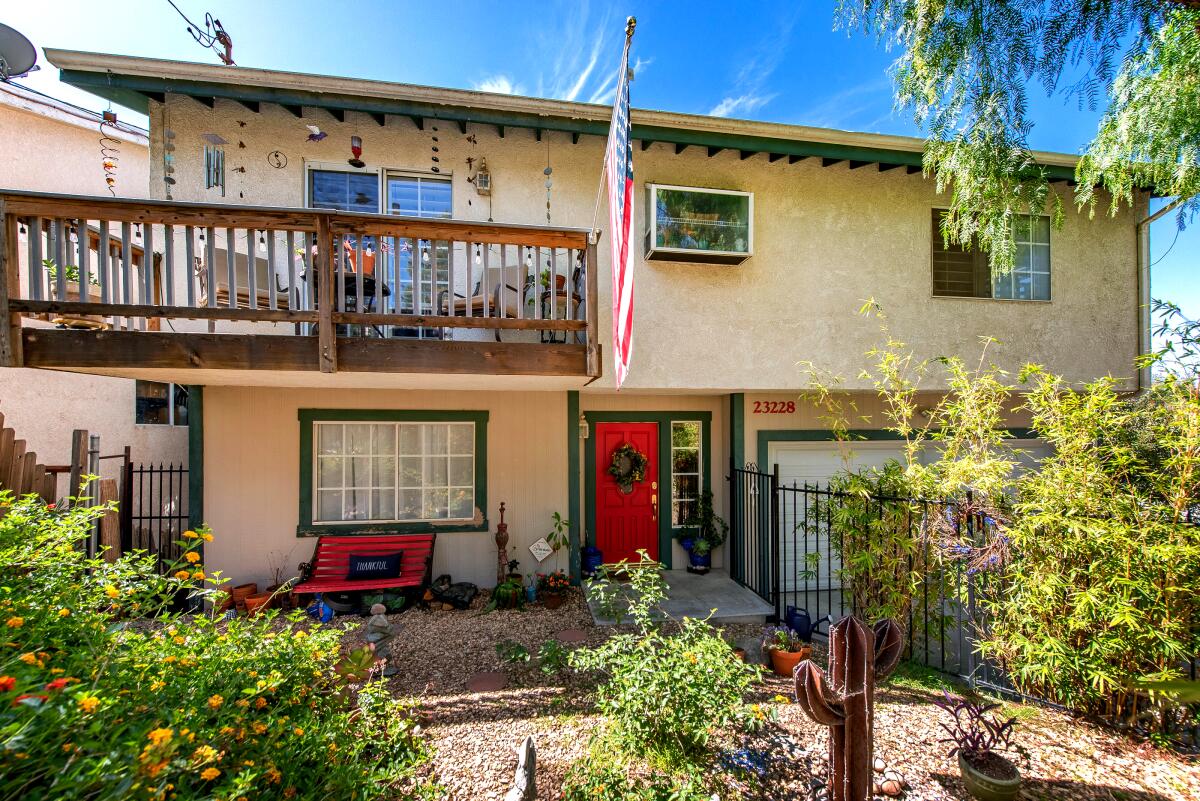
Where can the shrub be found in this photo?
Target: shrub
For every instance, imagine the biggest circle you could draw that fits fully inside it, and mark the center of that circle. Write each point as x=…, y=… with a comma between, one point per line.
x=105, y=695
x=603, y=775
x=1101, y=589
x=667, y=693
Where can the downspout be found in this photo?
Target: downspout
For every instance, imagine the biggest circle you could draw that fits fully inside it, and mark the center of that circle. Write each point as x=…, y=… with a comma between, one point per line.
x=1143, y=311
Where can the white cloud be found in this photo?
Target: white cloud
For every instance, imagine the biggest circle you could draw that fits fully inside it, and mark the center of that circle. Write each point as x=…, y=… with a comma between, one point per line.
x=500, y=84
x=840, y=110
x=742, y=104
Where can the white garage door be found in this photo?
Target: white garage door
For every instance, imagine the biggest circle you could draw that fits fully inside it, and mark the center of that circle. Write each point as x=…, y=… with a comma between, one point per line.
x=816, y=462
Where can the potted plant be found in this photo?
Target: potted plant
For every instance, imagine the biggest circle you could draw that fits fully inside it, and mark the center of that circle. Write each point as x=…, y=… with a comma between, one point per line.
x=704, y=530
x=71, y=294
x=977, y=734
x=558, y=537
x=552, y=587
x=509, y=594
x=785, y=648
x=514, y=570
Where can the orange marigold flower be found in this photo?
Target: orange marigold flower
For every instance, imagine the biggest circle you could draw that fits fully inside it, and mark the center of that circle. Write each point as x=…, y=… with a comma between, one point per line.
x=208, y=774
x=192, y=557
x=205, y=753
x=215, y=701
x=273, y=776
x=64, y=612
x=112, y=592
x=259, y=727
x=198, y=575
x=299, y=731
x=160, y=736
x=206, y=536
x=189, y=534
x=88, y=703
x=16, y=622
x=28, y=658
x=182, y=575
x=260, y=702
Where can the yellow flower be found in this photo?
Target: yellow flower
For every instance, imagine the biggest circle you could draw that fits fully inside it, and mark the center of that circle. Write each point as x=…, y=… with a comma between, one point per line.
x=299, y=731
x=300, y=635
x=259, y=727
x=16, y=622
x=88, y=703
x=64, y=612
x=28, y=658
x=112, y=592
x=242, y=702
x=260, y=702
x=208, y=774
x=273, y=776
x=170, y=658
x=182, y=575
x=156, y=685
x=179, y=639
x=205, y=753
x=198, y=575
x=782, y=699
x=160, y=736
x=189, y=534
x=215, y=701
x=192, y=557
x=207, y=537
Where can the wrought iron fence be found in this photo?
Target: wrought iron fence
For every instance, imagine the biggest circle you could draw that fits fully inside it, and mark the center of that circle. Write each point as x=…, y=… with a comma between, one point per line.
x=154, y=509
x=784, y=546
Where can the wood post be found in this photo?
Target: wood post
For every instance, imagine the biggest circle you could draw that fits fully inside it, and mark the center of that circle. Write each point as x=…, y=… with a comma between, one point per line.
x=110, y=526
x=326, y=333
x=10, y=286
x=79, y=456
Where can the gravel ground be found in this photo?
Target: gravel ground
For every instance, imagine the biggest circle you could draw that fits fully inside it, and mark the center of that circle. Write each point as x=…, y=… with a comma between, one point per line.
x=475, y=735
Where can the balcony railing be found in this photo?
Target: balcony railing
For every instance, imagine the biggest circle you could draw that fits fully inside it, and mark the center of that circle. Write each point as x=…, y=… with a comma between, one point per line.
x=348, y=291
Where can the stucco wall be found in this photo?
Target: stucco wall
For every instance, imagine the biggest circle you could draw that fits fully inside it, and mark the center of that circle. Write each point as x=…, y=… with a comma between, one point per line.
x=252, y=468
x=825, y=240
x=49, y=150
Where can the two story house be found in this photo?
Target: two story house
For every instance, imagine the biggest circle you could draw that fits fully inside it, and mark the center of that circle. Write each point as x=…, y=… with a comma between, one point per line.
x=393, y=313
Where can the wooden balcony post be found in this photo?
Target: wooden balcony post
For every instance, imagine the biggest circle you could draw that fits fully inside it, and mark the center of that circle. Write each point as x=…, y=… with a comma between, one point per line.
x=326, y=333
x=10, y=285
x=594, y=363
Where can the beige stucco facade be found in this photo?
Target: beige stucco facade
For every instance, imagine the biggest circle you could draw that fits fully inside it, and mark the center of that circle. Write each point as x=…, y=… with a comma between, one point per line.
x=826, y=239
x=50, y=147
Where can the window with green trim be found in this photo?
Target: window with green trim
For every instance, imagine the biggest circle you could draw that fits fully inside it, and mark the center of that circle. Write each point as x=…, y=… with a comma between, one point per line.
x=686, y=459
x=393, y=471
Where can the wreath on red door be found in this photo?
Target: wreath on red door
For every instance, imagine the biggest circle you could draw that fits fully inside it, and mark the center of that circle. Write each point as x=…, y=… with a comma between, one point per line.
x=628, y=467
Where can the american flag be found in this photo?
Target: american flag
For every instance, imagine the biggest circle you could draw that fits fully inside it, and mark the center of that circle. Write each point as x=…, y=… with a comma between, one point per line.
x=619, y=166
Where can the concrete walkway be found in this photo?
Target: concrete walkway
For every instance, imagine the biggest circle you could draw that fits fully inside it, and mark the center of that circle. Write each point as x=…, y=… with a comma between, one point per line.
x=690, y=595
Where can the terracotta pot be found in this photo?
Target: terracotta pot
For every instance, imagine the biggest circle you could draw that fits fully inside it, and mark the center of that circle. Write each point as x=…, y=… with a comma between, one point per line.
x=72, y=296
x=241, y=592
x=552, y=600
x=740, y=653
x=986, y=787
x=225, y=602
x=257, y=603
x=784, y=662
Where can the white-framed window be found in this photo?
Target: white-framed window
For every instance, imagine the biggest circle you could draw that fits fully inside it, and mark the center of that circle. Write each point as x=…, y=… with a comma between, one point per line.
x=343, y=190
x=160, y=404
x=393, y=471
x=686, y=459
x=413, y=195
x=966, y=272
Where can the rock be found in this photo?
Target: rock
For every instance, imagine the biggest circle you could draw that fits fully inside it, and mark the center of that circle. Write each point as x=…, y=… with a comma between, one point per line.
x=447, y=607
x=892, y=788
x=525, y=781
x=880, y=765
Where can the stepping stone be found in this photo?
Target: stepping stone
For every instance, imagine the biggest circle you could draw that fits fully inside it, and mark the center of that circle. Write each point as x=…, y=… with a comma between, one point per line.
x=487, y=682
x=571, y=636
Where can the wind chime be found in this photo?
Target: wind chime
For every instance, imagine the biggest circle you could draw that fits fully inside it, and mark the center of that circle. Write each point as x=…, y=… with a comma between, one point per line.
x=549, y=183
x=109, y=150
x=168, y=146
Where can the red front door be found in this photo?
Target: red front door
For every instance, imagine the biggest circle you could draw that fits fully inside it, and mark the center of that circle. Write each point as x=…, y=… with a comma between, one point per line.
x=626, y=522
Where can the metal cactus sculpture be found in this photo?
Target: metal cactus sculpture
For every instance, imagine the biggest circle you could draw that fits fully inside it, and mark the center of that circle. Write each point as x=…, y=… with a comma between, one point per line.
x=845, y=699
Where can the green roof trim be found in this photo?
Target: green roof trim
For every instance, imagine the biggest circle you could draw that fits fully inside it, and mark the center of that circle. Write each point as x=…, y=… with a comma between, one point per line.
x=135, y=92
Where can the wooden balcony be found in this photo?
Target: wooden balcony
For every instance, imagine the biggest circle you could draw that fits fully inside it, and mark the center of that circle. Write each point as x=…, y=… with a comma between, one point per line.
x=168, y=286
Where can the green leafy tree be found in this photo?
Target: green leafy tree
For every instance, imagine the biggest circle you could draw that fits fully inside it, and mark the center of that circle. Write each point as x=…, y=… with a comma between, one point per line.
x=965, y=70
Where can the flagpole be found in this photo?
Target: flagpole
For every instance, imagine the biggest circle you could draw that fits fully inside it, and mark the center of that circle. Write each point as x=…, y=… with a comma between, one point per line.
x=594, y=236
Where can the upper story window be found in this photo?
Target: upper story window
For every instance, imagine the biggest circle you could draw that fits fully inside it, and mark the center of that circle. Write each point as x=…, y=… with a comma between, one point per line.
x=159, y=404
x=965, y=272
x=418, y=196
x=344, y=191
x=714, y=226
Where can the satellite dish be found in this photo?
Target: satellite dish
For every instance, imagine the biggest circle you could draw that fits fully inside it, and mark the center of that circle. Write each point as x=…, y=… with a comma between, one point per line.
x=18, y=56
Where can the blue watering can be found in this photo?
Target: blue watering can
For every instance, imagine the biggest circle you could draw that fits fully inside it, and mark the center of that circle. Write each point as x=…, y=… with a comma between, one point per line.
x=801, y=622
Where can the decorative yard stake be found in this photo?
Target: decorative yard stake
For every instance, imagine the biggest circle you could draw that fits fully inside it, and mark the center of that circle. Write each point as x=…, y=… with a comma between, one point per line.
x=858, y=657
x=501, y=548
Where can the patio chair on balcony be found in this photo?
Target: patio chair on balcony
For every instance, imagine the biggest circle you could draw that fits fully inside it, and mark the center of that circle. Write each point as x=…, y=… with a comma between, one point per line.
x=502, y=299
x=262, y=294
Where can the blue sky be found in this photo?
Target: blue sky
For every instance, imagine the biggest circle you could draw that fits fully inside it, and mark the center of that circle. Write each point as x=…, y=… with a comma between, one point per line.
x=780, y=61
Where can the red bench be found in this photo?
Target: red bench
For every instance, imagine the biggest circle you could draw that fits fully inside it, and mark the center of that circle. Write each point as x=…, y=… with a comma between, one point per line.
x=331, y=562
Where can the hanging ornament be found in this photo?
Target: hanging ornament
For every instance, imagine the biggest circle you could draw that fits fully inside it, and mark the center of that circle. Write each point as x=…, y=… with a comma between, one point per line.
x=356, y=151
x=434, y=150
x=315, y=134
x=109, y=150
x=549, y=183
x=214, y=37
x=277, y=159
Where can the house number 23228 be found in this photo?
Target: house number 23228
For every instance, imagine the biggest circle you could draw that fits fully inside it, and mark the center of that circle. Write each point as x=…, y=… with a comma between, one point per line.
x=774, y=407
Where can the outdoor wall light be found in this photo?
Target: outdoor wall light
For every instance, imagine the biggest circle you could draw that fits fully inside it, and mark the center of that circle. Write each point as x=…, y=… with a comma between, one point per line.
x=483, y=179
x=584, y=428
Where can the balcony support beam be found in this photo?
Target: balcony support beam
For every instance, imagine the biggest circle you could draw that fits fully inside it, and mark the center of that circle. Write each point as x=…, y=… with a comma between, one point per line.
x=111, y=352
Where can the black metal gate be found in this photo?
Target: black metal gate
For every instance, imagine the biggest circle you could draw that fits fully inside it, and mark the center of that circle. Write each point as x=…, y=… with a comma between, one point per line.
x=154, y=509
